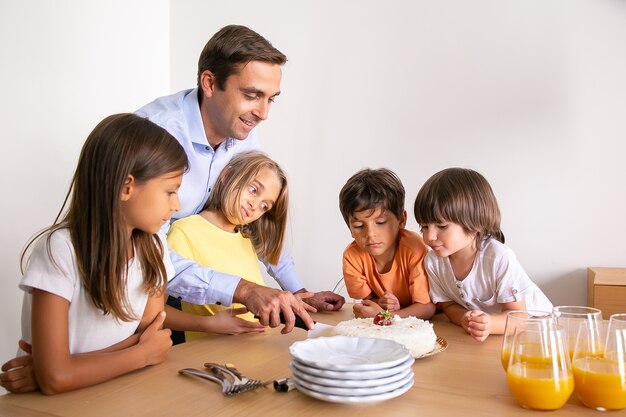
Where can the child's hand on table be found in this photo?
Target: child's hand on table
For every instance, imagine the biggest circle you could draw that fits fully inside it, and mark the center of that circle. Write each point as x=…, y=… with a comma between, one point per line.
x=477, y=323
x=18, y=374
x=227, y=322
x=367, y=308
x=389, y=302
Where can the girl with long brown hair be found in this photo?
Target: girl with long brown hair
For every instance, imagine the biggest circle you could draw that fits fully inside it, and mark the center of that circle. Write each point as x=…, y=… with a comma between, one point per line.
x=95, y=281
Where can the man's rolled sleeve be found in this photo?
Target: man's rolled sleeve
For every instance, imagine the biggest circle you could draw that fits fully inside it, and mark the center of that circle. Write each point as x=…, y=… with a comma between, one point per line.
x=200, y=285
x=285, y=272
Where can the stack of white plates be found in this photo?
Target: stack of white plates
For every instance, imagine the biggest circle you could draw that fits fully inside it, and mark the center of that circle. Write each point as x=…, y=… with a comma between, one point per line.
x=351, y=369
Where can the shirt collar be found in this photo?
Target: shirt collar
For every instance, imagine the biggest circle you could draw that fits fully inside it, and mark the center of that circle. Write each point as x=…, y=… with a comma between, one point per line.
x=191, y=109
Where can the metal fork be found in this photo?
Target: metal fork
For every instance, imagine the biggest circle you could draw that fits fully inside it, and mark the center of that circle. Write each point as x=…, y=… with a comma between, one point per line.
x=256, y=382
x=227, y=388
x=234, y=370
x=244, y=383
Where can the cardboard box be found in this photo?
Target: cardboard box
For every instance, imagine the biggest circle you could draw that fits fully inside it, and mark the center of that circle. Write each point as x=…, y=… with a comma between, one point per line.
x=606, y=290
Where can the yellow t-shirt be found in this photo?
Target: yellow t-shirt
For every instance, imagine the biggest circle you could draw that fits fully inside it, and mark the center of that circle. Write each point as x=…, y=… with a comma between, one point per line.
x=196, y=238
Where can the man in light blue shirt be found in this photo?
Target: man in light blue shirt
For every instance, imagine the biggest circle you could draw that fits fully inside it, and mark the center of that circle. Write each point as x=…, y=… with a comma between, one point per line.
x=239, y=76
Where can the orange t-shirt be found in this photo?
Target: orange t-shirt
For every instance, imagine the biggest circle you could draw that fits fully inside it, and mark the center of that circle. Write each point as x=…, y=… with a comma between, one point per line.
x=406, y=279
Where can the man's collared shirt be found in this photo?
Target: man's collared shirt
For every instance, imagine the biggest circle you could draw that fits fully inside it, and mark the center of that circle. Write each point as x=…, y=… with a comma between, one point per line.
x=179, y=114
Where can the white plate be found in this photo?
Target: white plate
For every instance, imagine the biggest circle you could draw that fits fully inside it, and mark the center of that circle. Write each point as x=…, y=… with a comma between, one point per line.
x=348, y=383
x=342, y=353
x=356, y=399
x=354, y=375
x=363, y=391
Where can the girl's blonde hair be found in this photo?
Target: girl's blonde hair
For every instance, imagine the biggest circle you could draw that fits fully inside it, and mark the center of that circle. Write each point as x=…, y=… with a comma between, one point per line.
x=267, y=233
x=461, y=196
x=119, y=146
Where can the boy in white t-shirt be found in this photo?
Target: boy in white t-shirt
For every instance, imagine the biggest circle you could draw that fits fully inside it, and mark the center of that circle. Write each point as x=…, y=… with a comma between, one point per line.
x=473, y=277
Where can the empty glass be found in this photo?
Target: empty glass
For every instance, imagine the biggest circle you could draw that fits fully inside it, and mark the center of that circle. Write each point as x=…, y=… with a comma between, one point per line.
x=520, y=318
x=570, y=318
x=539, y=373
x=599, y=368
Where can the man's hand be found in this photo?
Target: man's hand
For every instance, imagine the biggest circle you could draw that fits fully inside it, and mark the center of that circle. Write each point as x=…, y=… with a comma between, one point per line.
x=268, y=303
x=323, y=300
x=18, y=374
x=302, y=295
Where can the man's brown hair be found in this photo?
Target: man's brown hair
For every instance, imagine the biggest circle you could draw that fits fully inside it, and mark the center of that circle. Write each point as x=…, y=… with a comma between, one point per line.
x=231, y=48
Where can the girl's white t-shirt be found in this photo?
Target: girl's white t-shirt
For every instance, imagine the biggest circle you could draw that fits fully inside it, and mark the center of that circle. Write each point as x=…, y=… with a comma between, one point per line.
x=89, y=329
x=496, y=277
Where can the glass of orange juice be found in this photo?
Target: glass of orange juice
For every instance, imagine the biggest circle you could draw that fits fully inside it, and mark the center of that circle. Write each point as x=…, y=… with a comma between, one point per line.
x=599, y=369
x=539, y=373
x=570, y=318
x=520, y=318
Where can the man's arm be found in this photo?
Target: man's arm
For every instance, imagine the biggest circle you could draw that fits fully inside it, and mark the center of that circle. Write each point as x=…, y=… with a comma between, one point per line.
x=285, y=274
x=203, y=285
x=200, y=285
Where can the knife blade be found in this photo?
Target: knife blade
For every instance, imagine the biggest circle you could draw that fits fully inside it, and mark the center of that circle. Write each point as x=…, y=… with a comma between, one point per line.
x=321, y=330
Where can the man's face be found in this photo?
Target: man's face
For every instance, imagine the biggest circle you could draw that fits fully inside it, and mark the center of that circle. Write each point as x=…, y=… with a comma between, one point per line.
x=243, y=104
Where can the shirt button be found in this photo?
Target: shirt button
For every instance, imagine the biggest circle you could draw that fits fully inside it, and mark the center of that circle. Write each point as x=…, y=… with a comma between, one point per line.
x=458, y=285
x=462, y=295
x=467, y=304
x=514, y=291
x=208, y=148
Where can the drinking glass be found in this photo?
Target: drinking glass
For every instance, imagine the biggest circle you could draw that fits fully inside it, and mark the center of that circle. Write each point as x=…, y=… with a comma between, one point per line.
x=520, y=318
x=539, y=373
x=601, y=379
x=570, y=318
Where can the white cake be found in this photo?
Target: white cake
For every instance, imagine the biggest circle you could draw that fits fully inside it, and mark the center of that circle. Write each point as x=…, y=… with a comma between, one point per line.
x=415, y=334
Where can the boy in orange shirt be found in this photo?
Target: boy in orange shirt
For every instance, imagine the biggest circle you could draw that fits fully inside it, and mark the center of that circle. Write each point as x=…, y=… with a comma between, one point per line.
x=383, y=265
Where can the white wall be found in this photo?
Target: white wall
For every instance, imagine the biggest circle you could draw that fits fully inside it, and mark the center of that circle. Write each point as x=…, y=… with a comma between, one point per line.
x=532, y=94
x=65, y=66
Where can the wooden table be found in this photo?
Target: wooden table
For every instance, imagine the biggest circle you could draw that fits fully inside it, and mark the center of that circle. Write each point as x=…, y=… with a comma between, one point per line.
x=464, y=380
